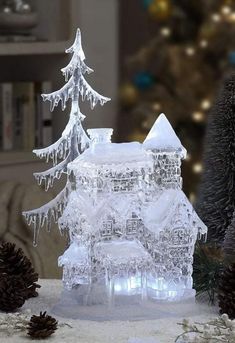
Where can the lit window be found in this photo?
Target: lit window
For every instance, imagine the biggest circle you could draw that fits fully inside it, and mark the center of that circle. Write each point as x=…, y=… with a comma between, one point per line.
x=132, y=226
x=107, y=228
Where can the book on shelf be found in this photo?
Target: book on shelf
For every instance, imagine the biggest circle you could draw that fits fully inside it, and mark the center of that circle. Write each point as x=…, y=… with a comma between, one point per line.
x=6, y=108
x=25, y=120
x=43, y=116
x=24, y=116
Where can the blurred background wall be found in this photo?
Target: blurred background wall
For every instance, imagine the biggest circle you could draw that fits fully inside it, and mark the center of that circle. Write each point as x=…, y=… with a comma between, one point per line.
x=149, y=56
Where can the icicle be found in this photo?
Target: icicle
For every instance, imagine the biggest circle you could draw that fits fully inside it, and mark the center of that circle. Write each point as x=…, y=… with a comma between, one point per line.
x=48, y=226
x=94, y=103
x=36, y=229
x=91, y=94
x=62, y=94
x=47, y=212
x=60, y=148
x=43, y=219
x=75, y=63
x=50, y=175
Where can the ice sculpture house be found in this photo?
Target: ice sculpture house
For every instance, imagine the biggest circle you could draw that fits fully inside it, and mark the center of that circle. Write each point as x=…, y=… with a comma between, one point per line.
x=131, y=228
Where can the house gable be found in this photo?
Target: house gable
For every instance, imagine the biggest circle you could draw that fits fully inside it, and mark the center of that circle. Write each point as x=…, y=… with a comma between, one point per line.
x=171, y=209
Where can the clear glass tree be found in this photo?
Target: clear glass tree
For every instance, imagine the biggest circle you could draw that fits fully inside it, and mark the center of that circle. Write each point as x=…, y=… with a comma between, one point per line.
x=73, y=140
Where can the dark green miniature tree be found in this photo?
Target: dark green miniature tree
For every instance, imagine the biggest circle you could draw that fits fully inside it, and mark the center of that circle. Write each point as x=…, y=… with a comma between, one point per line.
x=216, y=198
x=226, y=285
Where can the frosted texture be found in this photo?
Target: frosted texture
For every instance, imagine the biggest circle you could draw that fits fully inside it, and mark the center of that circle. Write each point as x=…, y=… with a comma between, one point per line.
x=162, y=136
x=73, y=141
x=131, y=228
x=130, y=215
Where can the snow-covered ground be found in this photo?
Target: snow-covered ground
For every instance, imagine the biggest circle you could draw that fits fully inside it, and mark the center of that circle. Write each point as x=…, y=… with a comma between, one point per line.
x=163, y=330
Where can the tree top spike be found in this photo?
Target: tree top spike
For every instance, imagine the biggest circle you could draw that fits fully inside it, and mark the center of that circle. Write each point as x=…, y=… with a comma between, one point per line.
x=77, y=46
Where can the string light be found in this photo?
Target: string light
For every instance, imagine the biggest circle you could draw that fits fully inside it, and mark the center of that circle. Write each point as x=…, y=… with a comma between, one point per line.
x=190, y=51
x=216, y=17
x=145, y=124
x=232, y=17
x=165, y=32
x=203, y=43
x=206, y=104
x=197, y=168
x=188, y=157
x=198, y=116
x=226, y=10
x=156, y=106
x=192, y=197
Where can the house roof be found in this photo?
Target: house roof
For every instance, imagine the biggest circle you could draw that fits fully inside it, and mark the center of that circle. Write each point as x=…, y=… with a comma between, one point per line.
x=74, y=255
x=160, y=214
x=113, y=153
x=163, y=137
x=122, y=251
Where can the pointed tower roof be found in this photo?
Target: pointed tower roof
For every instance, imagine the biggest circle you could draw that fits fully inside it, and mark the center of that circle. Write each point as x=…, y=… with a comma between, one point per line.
x=163, y=137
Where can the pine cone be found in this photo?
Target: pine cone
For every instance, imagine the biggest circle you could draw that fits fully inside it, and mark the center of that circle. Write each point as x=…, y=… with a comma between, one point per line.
x=42, y=326
x=14, y=262
x=226, y=291
x=12, y=293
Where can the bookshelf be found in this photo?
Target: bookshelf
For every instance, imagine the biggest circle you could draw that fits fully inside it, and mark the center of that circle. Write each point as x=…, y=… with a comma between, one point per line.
x=12, y=158
x=33, y=48
x=42, y=60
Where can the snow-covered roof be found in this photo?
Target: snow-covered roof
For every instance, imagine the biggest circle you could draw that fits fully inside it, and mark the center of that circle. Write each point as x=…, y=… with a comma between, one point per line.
x=163, y=137
x=96, y=212
x=158, y=215
x=82, y=204
x=113, y=153
x=122, y=251
x=74, y=255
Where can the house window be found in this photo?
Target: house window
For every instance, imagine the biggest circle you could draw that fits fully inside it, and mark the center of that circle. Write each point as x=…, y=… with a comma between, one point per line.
x=180, y=237
x=123, y=185
x=98, y=183
x=132, y=226
x=107, y=228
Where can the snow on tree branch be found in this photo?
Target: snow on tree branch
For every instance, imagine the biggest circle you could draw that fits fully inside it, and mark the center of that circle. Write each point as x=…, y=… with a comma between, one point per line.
x=77, y=46
x=87, y=92
x=48, y=212
x=73, y=65
x=56, y=151
x=59, y=149
x=50, y=175
x=62, y=95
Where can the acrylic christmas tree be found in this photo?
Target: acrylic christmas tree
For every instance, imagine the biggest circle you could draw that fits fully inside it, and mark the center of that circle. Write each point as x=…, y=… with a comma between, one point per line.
x=132, y=230
x=73, y=140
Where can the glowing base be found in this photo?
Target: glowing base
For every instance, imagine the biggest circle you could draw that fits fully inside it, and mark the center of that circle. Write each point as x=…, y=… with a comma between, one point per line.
x=96, y=304
x=170, y=295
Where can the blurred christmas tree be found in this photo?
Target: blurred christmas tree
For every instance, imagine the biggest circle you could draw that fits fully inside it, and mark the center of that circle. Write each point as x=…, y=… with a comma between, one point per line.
x=187, y=48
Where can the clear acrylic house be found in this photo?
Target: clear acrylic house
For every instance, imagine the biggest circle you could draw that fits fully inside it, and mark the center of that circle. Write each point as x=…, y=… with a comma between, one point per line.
x=132, y=229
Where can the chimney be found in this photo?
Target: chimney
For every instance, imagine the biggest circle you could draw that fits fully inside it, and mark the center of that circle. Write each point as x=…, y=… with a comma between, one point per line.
x=100, y=136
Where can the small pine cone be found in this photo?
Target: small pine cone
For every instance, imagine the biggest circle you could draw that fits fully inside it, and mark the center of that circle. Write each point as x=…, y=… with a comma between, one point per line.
x=14, y=263
x=42, y=326
x=226, y=291
x=12, y=293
